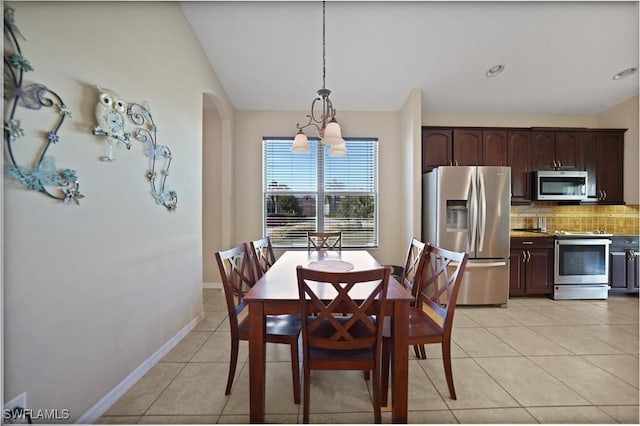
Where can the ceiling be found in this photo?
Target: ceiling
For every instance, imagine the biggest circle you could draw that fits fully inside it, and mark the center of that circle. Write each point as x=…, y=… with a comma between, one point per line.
x=559, y=57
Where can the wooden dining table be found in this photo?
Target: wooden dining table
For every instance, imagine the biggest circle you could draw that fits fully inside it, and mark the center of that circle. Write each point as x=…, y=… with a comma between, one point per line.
x=277, y=293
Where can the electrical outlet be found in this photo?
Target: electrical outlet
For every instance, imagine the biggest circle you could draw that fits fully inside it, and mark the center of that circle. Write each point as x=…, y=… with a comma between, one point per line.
x=18, y=401
x=9, y=416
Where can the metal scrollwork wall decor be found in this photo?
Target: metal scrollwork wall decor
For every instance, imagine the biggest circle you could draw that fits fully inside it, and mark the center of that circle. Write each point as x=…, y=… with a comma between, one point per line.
x=43, y=177
x=110, y=113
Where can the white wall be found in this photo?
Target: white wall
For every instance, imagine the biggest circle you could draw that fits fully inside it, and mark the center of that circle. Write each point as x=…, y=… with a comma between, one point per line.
x=507, y=120
x=626, y=116
x=411, y=167
x=251, y=126
x=212, y=179
x=92, y=291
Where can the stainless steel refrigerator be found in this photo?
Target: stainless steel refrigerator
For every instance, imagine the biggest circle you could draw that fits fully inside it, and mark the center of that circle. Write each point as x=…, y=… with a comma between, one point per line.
x=467, y=208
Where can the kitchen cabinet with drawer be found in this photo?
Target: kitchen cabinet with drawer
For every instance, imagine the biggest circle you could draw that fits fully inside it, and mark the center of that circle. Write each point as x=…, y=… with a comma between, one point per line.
x=531, y=266
x=624, y=264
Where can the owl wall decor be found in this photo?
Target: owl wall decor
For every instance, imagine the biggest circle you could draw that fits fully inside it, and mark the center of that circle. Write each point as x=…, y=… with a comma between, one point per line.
x=110, y=116
x=114, y=117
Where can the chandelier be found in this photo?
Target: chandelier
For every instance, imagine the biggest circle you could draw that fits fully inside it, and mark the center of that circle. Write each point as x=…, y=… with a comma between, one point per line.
x=324, y=120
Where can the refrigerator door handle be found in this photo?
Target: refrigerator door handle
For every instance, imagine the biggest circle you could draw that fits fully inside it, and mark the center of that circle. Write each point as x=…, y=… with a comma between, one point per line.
x=473, y=214
x=483, y=213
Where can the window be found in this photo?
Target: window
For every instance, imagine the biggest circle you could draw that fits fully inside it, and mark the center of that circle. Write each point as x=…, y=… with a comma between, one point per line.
x=308, y=192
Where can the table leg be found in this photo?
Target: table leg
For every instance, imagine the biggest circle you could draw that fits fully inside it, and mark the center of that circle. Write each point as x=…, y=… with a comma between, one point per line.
x=400, y=359
x=257, y=348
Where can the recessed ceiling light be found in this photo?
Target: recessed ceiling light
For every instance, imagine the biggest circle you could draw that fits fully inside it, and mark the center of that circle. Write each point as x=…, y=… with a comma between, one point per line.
x=625, y=73
x=494, y=70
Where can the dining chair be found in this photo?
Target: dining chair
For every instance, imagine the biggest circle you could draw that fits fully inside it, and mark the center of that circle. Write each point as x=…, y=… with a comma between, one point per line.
x=317, y=241
x=236, y=271
x=263, y=257
x=411, y=277
x=332, y=340
x=431, y=320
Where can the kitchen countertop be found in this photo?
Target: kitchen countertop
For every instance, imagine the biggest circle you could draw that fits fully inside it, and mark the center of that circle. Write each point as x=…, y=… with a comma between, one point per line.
x=528, y=234
x=539, y=234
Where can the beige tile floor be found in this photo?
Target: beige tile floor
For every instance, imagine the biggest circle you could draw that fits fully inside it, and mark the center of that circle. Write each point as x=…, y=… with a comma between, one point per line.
x=536, y=361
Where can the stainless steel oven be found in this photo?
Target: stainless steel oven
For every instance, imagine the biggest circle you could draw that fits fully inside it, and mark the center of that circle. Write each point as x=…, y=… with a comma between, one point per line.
x=581, y=267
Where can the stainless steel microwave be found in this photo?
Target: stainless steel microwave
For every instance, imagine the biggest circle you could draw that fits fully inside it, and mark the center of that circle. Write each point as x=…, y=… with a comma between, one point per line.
x=560, y=185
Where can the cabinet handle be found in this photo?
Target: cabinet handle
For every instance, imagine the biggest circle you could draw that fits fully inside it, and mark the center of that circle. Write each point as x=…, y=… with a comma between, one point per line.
x=554, y=164
x=605, y=195
x=456, y=162
x=528, y=256
x=524, y=256
x=559, y=164
x=527, y=243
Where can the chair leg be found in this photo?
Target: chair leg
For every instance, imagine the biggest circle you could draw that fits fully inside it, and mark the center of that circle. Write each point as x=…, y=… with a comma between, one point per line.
x=446, y=360
x=423, y=352
x=306, y=384
x=386, y=360
x=377, y=412
x=295, y=372
x=232, y=364
x=416, y=350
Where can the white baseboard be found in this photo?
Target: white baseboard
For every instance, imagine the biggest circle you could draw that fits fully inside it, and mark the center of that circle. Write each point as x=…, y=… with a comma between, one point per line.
x=100, y=407
x=211, y=285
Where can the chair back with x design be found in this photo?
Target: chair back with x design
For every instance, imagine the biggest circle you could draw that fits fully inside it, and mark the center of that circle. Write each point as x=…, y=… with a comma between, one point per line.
x=324, y=240
x=330, y=294
x=443, y=273
x=263, y=256
x=412, y=273
x=236, y=272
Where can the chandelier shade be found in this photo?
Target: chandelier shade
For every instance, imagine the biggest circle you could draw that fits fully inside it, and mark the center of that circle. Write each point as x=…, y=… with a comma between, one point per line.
x=300, y=144
x=327, y=127
x=332, y=133
x=338, y=150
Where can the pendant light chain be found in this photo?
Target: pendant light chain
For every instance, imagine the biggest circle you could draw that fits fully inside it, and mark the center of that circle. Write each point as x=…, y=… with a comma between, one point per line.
x=326, y=124
x=324, y=46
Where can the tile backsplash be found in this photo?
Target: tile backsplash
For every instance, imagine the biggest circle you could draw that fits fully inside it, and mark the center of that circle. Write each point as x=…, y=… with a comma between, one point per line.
x=612, y=219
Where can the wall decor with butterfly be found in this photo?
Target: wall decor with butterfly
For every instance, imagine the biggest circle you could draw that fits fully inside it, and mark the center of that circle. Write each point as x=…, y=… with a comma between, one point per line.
x=113, y=116
x=41, y=175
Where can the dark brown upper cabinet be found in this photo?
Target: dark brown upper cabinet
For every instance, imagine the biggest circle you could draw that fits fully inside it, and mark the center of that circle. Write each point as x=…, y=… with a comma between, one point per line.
x=463, y=147
x=437, y=148
x=519, y=158
x=494, y=147
x=467, y=147
x=526, y=150
x=601, y=155
x=554, y=150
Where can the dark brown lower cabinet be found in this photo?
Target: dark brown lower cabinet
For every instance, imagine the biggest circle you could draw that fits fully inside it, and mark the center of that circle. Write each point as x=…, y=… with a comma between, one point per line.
x=531, y=263
x=624, y=264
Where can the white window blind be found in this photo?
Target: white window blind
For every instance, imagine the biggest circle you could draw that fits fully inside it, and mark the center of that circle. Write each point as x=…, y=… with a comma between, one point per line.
x=307, y=192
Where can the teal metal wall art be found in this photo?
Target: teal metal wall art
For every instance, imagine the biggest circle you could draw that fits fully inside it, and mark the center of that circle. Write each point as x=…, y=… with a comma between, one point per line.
x=113, y=116
x=43, y=176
